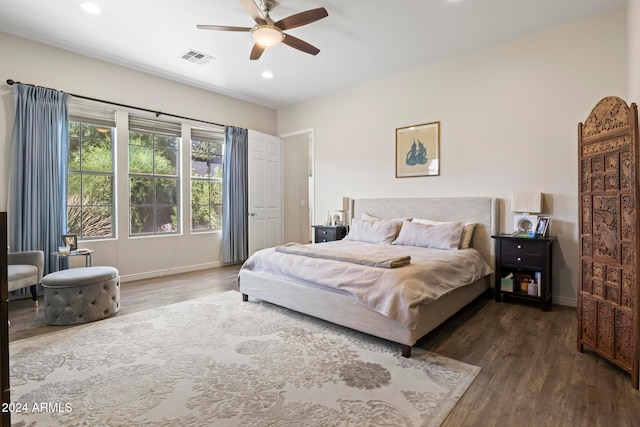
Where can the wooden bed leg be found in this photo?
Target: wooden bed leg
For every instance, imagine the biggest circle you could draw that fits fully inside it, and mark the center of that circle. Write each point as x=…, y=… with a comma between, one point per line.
x=245, y=297
x=406, y=350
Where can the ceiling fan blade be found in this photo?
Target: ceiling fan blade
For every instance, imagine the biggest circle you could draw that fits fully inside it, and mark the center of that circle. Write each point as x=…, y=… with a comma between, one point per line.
x=302, y=18
x=253, y=10
x=223, y=28
x=301, y=45
x=256, y=52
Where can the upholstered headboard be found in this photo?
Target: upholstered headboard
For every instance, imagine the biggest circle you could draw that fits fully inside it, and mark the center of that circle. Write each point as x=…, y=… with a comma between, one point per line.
x=481, y=210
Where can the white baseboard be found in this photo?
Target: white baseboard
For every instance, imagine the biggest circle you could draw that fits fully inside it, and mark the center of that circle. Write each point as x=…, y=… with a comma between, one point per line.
x=168, y=272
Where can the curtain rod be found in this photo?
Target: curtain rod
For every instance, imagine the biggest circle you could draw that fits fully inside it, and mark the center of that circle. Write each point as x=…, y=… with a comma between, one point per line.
x=11, y=82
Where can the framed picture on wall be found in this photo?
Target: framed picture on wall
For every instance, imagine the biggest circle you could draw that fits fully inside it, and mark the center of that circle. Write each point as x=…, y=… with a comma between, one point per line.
x=70, y=240
x=418, y=150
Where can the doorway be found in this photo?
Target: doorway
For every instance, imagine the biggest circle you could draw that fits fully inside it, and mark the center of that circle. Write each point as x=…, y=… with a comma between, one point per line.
x=298, y=187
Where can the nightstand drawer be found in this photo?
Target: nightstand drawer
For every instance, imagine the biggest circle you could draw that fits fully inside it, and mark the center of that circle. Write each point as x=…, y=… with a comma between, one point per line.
x=325, y=234
x=329, y=233
x=521, y=247
x=528, y=260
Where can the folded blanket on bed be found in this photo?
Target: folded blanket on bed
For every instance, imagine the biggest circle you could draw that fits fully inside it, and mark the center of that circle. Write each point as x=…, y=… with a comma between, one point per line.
x=317, y=251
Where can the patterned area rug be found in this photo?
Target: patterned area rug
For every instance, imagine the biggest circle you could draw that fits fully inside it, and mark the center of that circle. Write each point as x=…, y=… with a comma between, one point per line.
x=218, y=361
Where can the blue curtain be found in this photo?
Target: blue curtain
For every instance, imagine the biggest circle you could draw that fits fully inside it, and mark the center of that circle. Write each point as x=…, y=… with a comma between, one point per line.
x=38, y=179
x=235, y=205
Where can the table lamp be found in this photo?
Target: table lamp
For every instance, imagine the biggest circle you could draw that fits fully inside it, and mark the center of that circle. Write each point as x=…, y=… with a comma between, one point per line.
x=524, y=204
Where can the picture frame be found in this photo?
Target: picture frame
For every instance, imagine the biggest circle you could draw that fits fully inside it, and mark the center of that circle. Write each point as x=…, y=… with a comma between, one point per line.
x=418, y=150
x=70, y=240
x=542, y=226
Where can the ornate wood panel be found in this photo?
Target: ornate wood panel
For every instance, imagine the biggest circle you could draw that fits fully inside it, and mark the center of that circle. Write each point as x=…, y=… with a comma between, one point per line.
x=608, y=221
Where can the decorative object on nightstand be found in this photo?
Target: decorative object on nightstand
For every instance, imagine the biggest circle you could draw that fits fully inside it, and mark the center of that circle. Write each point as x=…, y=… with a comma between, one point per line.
x=524, y=204
x=523, y=266
x=329, y=233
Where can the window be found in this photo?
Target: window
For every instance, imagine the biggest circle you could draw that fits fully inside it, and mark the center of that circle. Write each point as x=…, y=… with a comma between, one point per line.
x=90, y=194
x=207, y=154
x=153, y=176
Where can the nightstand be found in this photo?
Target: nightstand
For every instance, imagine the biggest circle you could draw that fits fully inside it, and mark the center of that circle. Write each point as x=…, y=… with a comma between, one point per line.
x=526, y=259
x=329, y=233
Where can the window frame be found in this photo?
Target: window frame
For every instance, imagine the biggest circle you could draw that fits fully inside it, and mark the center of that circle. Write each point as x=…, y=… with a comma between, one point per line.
x=208, y=135
x=77, y=115
x=156, y=129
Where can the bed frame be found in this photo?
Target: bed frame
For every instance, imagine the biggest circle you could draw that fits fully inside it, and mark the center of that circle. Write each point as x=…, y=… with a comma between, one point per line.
x=340, y=308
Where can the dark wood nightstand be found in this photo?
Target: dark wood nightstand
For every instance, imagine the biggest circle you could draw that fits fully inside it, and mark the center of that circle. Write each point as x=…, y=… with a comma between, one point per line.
x=526, y=259
x=329, y=233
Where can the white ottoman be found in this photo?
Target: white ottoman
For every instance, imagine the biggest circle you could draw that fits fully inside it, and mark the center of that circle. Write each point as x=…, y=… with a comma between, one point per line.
x=81, y=295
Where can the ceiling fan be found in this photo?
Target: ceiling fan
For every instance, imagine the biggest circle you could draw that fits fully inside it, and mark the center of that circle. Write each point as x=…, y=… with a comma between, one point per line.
x=267, y=33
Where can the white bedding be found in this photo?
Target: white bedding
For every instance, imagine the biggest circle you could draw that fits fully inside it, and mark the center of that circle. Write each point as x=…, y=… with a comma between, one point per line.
x=393, y=292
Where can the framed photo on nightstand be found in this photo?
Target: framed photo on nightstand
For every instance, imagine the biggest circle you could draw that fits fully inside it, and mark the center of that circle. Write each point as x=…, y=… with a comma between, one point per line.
x=70, y=240
x=543, y=226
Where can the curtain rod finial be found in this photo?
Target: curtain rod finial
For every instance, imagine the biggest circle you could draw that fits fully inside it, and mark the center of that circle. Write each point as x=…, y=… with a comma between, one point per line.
x=10, y=82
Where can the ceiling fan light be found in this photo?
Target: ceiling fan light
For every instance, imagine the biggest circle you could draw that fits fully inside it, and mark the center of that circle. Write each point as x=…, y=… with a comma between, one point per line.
x=267, y=35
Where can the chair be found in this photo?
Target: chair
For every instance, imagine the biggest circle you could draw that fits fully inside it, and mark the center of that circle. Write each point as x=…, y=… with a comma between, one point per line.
x=25, y=269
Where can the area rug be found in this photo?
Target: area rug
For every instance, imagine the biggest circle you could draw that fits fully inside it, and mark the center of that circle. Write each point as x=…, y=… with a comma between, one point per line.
x=219, y=361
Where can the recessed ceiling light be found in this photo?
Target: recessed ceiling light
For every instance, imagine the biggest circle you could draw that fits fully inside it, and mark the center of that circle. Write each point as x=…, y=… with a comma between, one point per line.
x=267, y=74
x=91, y=8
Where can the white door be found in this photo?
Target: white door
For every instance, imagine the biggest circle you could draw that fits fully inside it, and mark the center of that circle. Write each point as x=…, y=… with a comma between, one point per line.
x=265, y=191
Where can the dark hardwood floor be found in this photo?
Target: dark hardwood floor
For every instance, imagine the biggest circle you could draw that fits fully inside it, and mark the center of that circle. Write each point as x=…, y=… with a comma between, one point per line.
x=532, y=374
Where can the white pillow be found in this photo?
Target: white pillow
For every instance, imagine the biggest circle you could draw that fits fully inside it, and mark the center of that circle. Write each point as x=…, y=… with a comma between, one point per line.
x=441, y=236
x=467, y=231
x=382, y=231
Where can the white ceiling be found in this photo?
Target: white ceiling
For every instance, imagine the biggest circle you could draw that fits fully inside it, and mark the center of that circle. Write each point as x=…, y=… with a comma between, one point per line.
x=360, y=40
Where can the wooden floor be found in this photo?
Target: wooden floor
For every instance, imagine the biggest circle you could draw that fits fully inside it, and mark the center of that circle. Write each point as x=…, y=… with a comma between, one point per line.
x=531, y=374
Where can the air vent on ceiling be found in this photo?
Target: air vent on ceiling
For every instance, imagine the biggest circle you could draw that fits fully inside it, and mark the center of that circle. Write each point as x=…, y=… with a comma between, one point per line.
x=196, y=57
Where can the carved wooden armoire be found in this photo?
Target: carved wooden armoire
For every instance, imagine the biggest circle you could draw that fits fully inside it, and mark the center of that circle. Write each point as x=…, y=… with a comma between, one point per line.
x=608, y=221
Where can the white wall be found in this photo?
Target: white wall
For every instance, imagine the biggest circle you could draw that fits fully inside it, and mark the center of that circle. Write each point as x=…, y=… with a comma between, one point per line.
x=509, y=116
x=633, y=50
x=38, y=64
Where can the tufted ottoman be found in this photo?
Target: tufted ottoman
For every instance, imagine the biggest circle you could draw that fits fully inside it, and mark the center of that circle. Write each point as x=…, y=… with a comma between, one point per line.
x=81, y=295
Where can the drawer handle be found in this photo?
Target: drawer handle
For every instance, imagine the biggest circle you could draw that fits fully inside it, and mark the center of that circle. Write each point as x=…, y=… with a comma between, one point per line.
x=324, y=231
x=519, y=259
x=519, y=246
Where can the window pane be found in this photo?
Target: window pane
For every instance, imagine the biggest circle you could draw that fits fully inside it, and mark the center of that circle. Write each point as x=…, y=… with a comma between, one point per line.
x=74, y=129
x=97, y=189
x=74, y=154
x=199, y=163
x=166, y=191
x=141, y=220
x=141, y=190
x=166, y=220
x=96, y=156
x=216, y=192
x=73, y=190
x=74, y=219
x=140, y=159
x=97, y=222
x=170, y=142
x=200, y=217
x=139, y=138
x=216, y=170
x=216, y=217
x=165, y=162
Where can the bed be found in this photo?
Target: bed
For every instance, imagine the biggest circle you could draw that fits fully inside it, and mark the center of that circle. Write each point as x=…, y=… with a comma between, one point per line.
x=338, y=305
